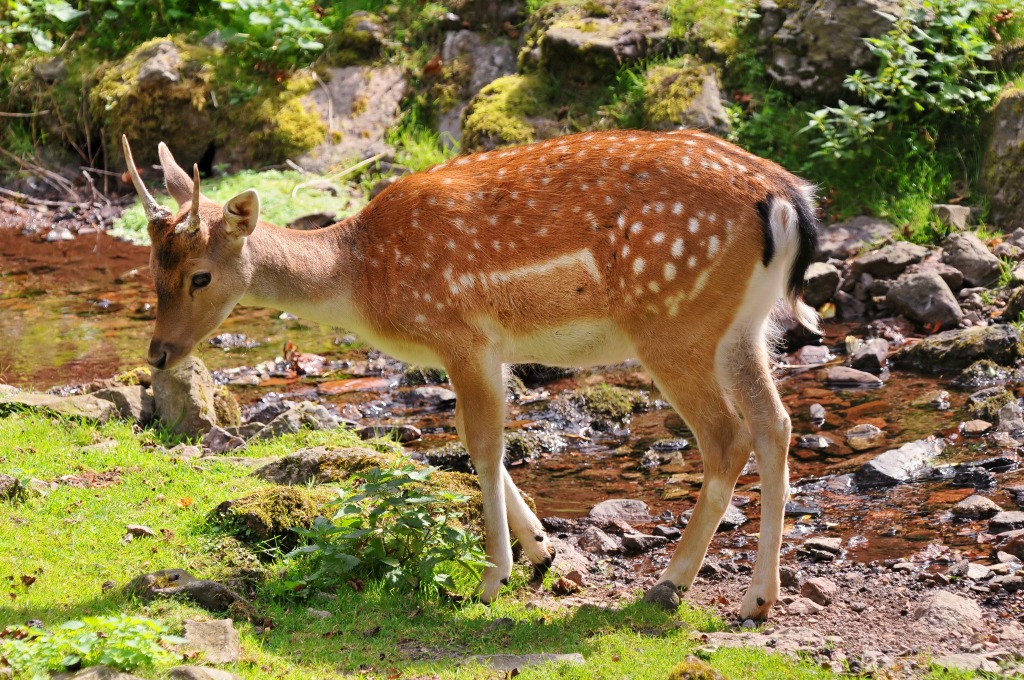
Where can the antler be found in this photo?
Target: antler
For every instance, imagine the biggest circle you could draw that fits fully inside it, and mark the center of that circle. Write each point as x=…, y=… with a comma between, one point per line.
x=154, y=211
x=194, y=221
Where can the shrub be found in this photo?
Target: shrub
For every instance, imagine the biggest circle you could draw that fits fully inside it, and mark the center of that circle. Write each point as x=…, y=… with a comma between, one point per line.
x=388, y=527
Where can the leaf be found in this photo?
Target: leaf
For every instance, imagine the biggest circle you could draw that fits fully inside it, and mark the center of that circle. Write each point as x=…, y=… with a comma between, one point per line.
x=62, y=11
x=41, y=40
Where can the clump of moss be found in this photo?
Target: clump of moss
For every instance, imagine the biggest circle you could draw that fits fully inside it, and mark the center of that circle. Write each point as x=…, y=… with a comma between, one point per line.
x=140, y=375
x=670, y=89
x=278, y=123
x=692, y=668
x=226, y=408
x=608, y=404
x=354, y=462
x=985, y=405
x=415, y=375
x=499, y=114
x=268, y=516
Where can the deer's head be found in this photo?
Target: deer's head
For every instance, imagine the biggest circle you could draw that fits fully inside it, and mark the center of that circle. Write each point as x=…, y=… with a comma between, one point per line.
x=198, y=258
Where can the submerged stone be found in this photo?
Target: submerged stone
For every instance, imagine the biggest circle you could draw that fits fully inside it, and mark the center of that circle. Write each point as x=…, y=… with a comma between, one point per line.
x=905, y=464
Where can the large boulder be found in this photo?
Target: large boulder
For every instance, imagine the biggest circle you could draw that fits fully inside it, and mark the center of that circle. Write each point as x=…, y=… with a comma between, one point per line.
x=845, y=239
x=185, y=398
x=925, y=298
x=357, y=105
x=472, y=62
x=1002, y=172
x=813, y=46
x=133, y=402
x=889, y=261
x=967, y=253
x=684, y=94
x=593, y=49
x=958, y=349
x=84, y=406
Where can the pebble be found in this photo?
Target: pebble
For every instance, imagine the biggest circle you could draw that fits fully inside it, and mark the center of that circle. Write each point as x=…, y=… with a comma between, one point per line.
x=864, y=436
x=820, y=590
x=975, y=428
x=976, y=507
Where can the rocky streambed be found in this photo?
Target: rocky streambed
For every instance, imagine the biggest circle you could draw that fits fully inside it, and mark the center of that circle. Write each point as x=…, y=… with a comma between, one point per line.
x=907, y=488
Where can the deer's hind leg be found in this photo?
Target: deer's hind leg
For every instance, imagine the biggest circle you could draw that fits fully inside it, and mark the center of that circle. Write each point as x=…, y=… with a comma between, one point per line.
x=686, y=378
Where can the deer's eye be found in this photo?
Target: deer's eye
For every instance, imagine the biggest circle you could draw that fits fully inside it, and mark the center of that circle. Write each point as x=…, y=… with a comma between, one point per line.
x=201, y=280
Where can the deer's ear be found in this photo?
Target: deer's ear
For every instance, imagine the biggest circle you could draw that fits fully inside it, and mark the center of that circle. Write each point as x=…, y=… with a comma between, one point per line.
x=179, y=184
x=242, y=213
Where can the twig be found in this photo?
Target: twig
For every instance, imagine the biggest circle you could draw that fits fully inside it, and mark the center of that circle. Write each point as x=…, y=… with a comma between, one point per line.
x=6, y=114
x=51, y=178
x=92, y=186
x=342, y=173
x=42, y=201
x=296, y=167
x=330, y=105
x=99, y=171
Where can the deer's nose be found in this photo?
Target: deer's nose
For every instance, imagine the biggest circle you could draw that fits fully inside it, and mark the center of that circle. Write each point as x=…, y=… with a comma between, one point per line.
x=159, y=352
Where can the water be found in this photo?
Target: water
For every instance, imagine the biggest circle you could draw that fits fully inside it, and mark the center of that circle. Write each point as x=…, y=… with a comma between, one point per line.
x=72, y=312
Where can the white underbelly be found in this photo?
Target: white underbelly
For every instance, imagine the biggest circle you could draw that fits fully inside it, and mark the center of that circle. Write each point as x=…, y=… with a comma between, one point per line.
x=579, y=343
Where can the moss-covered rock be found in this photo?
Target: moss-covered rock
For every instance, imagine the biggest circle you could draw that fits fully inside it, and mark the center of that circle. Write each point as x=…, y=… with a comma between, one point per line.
x=520, y=446
x=982, y=373
x=1003, y=170
x=159, y=92
x=684, y=93
x=362, y=33
x=415, y=375
x=225, y=405
x=957, y=349
x=270, y=515
x=321, y=465
x=985, y=404
x=692, y=668
x=609, y=405
x=500, y=114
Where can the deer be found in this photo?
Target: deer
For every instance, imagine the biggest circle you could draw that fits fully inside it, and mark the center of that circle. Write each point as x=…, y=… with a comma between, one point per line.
x=676, y=248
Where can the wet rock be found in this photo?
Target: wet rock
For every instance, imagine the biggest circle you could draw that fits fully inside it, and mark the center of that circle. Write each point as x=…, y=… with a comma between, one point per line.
x=84, y=406
x=956, y=216
x=966, y=252
x=864, y=436
x=133, y=402
x=692, y=668
x=1007, y=520
x=95, y=673
x=945, y=611
x=401, y=433
x=303, y=415
x=983, y=373
x=889, y=261
x=848, y=307
x=638, y=543
x=820, y=590
x=1010, y=419
x=430, y=396
x=597, y=542
x=985, y=403
x=509, y=663
x=179, y=584
x=851, y=377
x=826, y=544
x=974, y=476
x=975, y=428
x=925, y=298
x=320, y=465
x=610, y=406
x=670, y=533
x=960, y=348
x=219, y=440
x=815, y=442
x=817, y=413
x=732, y=519
x=845, y=239
x=621, y=508
x=905, y=464
x=976, y=507
x=800, y=509
x=200, y=673
x=184, y=398
x=871, y=355
x=217, y=641
x=343, y=106
x=812, y=355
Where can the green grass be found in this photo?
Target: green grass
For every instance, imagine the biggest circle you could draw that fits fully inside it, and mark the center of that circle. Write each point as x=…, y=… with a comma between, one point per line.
x=71, y=541
x=276, y=202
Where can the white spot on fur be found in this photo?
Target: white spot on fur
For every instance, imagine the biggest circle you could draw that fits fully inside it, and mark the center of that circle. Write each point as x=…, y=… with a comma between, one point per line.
x=653, y=286
x=636, y=228
x=659, y=237
x=638, y=265
x=691, y=262
x=694, y=225
x=712, y=246
x=677, y=208
x=670, y=271
x=677, y=248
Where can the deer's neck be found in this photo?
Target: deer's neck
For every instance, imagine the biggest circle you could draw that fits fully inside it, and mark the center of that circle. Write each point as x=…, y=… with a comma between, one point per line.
x=307, y=273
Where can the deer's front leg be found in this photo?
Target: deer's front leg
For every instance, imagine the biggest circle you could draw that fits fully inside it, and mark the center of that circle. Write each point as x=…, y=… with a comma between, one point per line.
x=480, y=420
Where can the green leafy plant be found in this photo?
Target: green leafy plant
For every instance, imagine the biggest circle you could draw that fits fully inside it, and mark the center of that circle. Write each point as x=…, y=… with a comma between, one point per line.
x=280, y=31
x=123, y=642
x=388, y=526
x=36, y=21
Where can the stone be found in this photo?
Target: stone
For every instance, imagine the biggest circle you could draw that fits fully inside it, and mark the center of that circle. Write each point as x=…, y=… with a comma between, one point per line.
x=953, y=277
x=864, y=436
x=812, y=355
x=400, y=433
x=320, y=465
x=83, y=406
x=801, y=606
x=815, y=442
x=184, y=397
x=966, y=252
x=216, y=640
x=1002, y=171
x=733, y=518
x=95, y=673
x=820, y=590
x=201, y=673
x=685, y=95
x=621, y=508
x=851, y=377
x=358, y=104
x=983, y=373
x=924, y=297
x=905, y=464
x=431, y=396
x=821, y=281
x=871, y=355
x=828, y=544
x=670, y=533
x=664, y=594
x=273, y=513
x=586, y=51
x=10, y=487
x=511, y=663
x=219, y=440
x=956, y=216
x=975, y=663
x=958, y=349
x=977, y=572
x=306, y=415
x=140, y=531
x=889, y=261
x=845, y=239
x=1007, y=520
x=945, y=611
x=1010, y=419
x=638, y=543
x=597, y=542
x=179, y=584
x=976, y=507
x=485, y=60
x=813, y=46
x=133, y=402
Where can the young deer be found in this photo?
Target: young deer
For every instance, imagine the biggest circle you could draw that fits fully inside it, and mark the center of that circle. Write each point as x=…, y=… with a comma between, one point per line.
x=674, y=248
